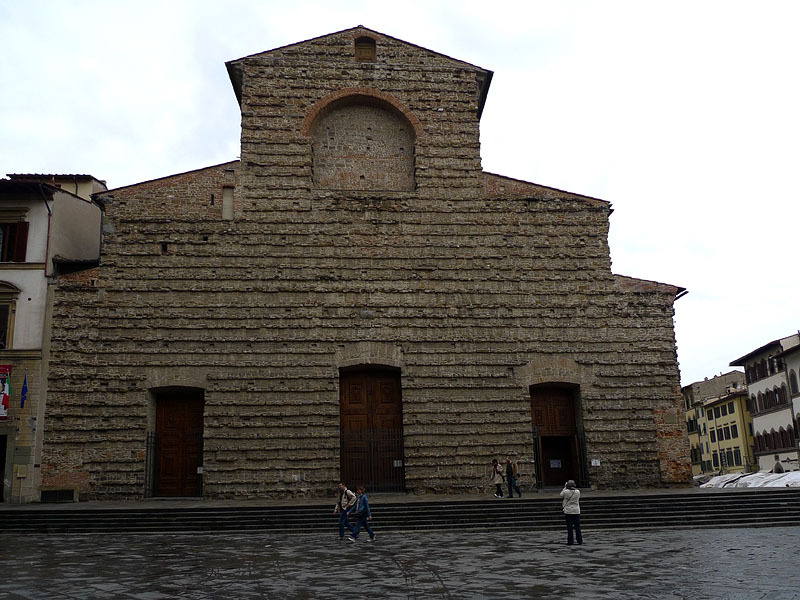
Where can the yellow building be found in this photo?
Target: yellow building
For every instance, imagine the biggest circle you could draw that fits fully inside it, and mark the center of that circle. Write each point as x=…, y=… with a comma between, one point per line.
x=728, y=438
x=720, y=426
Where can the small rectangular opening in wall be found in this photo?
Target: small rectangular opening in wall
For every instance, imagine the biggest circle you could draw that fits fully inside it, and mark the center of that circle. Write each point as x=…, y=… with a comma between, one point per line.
x=227, y=203
x=57, y=496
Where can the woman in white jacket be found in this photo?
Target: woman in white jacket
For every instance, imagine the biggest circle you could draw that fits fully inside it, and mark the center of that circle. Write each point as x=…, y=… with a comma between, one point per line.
x=497, y=478
x=570, y=504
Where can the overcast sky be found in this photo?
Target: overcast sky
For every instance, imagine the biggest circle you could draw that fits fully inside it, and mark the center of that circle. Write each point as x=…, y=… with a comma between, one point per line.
x=685, y=115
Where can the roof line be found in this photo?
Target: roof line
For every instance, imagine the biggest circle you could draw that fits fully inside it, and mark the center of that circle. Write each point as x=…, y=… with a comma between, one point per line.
x=386, y=35
x=547, y=187
x=230, y=162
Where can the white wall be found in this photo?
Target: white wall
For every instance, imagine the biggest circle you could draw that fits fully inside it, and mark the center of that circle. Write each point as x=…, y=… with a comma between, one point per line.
x=29, y=319
x=75, y=229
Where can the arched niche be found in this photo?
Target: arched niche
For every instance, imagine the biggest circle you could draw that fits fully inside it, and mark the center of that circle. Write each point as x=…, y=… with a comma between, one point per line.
x=362, y=142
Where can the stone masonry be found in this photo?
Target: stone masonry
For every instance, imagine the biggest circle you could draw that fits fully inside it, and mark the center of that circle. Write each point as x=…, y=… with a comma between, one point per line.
x=364, y=232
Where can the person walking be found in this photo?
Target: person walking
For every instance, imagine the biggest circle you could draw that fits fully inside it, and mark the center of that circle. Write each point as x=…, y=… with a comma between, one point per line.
x=570, y=504
x=511, y=477
x=345, y=502
x=363, y=515
x=497, y=478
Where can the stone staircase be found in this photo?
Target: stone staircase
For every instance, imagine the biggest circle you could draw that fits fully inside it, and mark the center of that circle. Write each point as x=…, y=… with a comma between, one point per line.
x=696, y=509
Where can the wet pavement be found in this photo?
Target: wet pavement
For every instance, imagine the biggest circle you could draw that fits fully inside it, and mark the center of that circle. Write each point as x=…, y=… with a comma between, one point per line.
x=752, y=563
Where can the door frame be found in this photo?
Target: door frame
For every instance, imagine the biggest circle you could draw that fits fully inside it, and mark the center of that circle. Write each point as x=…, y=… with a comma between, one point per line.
x=152, y=443
x=375, y=442
x=577, y=442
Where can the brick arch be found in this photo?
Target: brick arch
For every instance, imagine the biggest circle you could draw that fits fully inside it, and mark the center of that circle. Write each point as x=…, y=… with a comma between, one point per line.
x=369, y=353
x=359, y=94
x=551, y=369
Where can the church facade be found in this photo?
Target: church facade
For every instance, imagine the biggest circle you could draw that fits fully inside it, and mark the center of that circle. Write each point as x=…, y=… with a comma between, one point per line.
x=356, y=300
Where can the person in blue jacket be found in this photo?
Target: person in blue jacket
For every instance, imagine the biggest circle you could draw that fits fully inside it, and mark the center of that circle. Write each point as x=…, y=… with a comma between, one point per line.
x=363, y=515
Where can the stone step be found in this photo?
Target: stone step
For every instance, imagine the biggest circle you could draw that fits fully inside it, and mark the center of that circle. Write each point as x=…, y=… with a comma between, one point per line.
x=758, y=508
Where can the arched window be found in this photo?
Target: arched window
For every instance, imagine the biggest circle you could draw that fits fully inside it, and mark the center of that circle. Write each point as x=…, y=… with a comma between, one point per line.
x=363, y=143
x=776, y=439
x=365, y=49
x=793, y=383
x=760, y=402
x=785, y=439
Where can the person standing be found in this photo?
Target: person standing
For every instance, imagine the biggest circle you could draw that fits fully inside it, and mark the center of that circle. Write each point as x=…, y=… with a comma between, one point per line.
x=778, y=467
x=345, y=502
x=497, y=478
x=511, y=477
x=363, y=515
x=570, y=504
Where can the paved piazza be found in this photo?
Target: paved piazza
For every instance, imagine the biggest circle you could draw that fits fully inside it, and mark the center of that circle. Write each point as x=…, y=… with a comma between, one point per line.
x=704, y=563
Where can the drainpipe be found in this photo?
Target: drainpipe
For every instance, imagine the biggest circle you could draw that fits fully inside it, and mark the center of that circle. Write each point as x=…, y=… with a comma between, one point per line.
x=49, y=221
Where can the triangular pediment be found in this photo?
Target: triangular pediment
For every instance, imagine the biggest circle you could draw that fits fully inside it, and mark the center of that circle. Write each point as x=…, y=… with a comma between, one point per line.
x=339, y=47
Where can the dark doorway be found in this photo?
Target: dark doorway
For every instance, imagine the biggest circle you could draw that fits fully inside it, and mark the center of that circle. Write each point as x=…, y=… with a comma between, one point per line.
x=179, y=443
x=371, y=424
x=555, y=434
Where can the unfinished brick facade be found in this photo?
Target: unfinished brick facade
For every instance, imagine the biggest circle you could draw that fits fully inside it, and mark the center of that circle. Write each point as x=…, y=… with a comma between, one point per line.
x=366, y=245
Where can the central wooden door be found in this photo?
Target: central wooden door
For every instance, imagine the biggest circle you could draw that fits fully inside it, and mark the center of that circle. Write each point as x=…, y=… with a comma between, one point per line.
x=179, y=435
x=371, y=424
x=555, y=433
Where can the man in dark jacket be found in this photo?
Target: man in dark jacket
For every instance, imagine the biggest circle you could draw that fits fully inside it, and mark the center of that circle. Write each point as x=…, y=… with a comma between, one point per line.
x=511, y=477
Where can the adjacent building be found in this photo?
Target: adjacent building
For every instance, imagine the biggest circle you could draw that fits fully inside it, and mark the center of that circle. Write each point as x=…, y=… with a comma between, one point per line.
x=48, y=225
x=772, y=385
x=356, y=299
x=719, y=425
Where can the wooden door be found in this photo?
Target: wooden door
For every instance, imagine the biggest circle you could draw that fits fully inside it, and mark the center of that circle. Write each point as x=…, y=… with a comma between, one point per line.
x=553, y=415
x=179, y=435
x=371, y=422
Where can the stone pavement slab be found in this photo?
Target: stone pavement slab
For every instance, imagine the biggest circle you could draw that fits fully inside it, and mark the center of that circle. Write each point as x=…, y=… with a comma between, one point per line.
x=699, y=564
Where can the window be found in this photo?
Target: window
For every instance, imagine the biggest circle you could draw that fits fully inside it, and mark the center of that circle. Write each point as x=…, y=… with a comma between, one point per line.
x=793, y=383
x=734, y=431
x=727, y=432
x=713, y=436
x=730, y=408
x=8, y=305
x=13, y=241
x=723, y=410
x=737, y=456
x=365, y=49
x=4, y=314
x=729, y=457
x=715, y=459
x=717, y=414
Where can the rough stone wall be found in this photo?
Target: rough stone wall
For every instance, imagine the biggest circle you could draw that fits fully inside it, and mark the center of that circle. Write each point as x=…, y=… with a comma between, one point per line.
x=475, y=286
x=363, y=148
